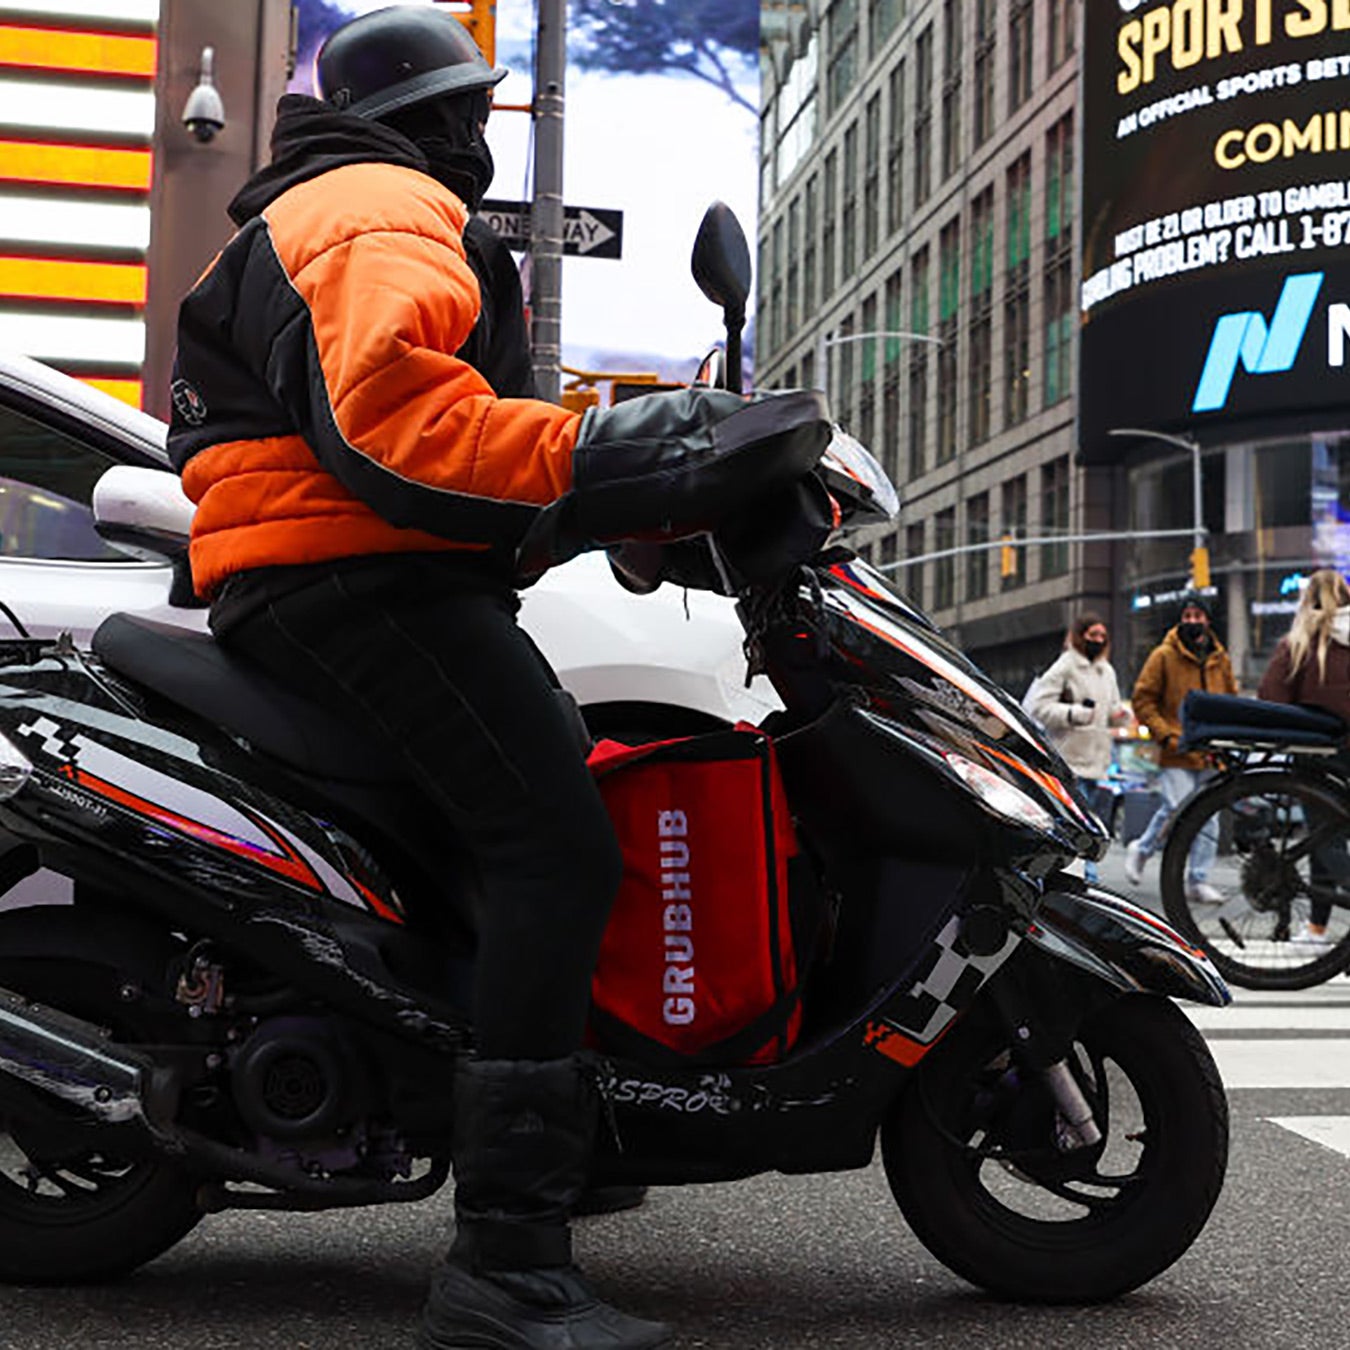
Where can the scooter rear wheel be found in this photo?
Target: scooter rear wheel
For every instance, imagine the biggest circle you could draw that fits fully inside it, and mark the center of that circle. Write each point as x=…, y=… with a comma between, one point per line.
x=80, y=1214
x=970, y=1156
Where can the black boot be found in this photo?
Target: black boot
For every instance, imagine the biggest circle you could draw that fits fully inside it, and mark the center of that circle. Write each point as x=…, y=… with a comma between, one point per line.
x=522, y=1141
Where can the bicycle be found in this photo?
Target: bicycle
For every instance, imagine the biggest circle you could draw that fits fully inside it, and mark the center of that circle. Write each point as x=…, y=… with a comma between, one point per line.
x=1278, y=819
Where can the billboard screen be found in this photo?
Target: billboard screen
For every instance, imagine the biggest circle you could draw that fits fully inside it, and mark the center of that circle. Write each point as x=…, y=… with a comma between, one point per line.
x=1216, y=218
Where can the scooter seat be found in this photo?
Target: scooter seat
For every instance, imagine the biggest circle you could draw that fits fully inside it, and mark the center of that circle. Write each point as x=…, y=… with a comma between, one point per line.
x=193, y=671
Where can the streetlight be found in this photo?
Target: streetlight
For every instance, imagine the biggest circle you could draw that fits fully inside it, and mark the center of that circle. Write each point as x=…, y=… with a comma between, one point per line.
x=826, y=340
x=1199, y=552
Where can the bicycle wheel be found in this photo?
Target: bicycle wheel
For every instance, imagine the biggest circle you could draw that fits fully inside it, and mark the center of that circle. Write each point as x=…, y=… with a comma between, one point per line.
x=1281, y=860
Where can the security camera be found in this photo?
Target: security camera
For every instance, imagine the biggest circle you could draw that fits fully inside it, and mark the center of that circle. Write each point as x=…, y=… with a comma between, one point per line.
x=204, y=112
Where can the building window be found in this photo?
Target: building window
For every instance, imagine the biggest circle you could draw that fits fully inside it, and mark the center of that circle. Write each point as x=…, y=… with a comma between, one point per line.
x=794, y=254
x=918, y=365
x=1063, y=37
x=845, y=389
x=1017, y=296
x=809, y=214
x=1059, y=178
x=1059, y=300
x=890, y=397
x=890, y=546
x=828, y=216
x=951, y=88
x=923, y=116
x=895, y=150
x=1055, y=515
x=762, y=282
x=872, y=176
x=890, y=425
x=868, y=361
x=949, y=300
x=848, y=211
x=869, y=344
x=981, y=315
x=842, y=65
x=867, y=415
x=986, y=41
x=977, y=560
x=892, y=321
x=882, y=16
x=918, y=413
x=776, y=287
x=1019, y=53
x=914, y=571
x=951, y=128
x=944, y=569
x=1015, y=527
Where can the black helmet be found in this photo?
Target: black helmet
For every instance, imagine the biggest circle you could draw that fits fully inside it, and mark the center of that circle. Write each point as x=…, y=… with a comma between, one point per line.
x=398, y=57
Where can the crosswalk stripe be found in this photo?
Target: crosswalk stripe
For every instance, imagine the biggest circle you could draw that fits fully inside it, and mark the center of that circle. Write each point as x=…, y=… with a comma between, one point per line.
x=1332, y=1132
x=1282, y=1064
x=1270, y=1018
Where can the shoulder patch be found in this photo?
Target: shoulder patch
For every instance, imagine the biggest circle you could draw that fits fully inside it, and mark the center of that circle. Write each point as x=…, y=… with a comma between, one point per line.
x=188, y=403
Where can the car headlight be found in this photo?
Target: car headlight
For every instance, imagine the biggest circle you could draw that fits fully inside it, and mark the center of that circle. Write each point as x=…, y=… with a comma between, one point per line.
x=998, y=795
x=14, y=768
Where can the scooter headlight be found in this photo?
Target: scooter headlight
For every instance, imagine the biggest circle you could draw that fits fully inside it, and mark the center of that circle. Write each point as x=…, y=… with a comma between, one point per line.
x=14, y=768
x=1000, y=796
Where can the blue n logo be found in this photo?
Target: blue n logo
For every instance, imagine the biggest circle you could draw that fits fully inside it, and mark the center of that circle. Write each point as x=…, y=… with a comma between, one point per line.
x=1261, y=350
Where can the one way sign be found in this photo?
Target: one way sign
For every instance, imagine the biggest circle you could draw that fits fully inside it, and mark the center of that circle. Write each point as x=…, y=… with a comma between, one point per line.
x=588, y=231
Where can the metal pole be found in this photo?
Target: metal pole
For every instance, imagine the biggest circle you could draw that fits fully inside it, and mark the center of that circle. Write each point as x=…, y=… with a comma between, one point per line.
x=1192, y=446
x=1197, y=502
x=546, y=219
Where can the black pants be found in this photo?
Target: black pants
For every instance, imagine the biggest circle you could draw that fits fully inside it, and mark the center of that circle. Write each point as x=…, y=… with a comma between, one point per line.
x=452, y=680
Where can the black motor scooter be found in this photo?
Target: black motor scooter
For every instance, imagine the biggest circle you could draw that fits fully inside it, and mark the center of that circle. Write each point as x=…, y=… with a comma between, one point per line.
x=256, y=997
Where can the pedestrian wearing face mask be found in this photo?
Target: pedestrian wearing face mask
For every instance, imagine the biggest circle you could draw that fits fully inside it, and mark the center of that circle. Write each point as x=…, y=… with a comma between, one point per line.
x=1077, y=700
x=1311, y=665
x=1189, y=657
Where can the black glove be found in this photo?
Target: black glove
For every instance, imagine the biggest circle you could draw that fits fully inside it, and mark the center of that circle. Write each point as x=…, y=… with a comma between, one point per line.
x=669, y=465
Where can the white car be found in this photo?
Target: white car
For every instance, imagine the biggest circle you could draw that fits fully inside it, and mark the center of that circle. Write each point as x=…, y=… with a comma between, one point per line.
x=664, y=664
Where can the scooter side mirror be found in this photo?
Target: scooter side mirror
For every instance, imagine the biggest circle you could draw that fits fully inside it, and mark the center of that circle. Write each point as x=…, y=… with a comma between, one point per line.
x=721, y=260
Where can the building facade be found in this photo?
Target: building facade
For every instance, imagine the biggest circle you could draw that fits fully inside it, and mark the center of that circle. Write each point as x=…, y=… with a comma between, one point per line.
x=919, y=177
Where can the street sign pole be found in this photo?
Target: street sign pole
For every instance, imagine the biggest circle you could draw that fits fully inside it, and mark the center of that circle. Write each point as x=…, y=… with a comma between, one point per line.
x=546, y=225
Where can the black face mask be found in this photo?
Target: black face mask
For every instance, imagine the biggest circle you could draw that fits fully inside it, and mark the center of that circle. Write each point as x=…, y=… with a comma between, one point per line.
x=466, y=171
x=446, y=131
x=1092, y=650
x=1194, y=635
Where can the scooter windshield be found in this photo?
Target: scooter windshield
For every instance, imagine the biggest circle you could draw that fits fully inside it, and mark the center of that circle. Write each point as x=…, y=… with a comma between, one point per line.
x=911, y=676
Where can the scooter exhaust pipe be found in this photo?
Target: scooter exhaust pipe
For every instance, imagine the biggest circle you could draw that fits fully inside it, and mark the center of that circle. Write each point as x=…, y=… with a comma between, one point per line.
x=73, y=1061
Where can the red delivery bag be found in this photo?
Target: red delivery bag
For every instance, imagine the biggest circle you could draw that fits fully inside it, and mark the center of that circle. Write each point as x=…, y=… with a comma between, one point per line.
x=697, y=961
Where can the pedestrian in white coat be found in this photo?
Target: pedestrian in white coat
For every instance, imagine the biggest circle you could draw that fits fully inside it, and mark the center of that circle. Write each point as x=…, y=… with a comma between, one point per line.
x=1077, y=700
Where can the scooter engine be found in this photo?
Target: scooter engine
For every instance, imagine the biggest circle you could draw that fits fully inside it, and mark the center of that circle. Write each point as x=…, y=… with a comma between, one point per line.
x=296, y=1081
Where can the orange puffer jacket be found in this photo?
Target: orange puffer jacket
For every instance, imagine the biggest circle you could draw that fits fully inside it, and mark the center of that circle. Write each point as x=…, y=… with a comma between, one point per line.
x=320, y=410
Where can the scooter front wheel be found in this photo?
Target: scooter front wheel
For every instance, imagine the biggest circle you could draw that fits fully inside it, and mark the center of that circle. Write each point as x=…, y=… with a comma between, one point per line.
x=971, y=1156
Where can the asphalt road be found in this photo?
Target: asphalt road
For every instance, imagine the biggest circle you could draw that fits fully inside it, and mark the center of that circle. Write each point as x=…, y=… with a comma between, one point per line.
x=791, y=1263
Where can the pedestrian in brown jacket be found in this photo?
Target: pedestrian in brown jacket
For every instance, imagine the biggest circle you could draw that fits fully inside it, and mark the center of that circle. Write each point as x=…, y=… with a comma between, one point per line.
x=1189, y=657
x=1311, y=665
